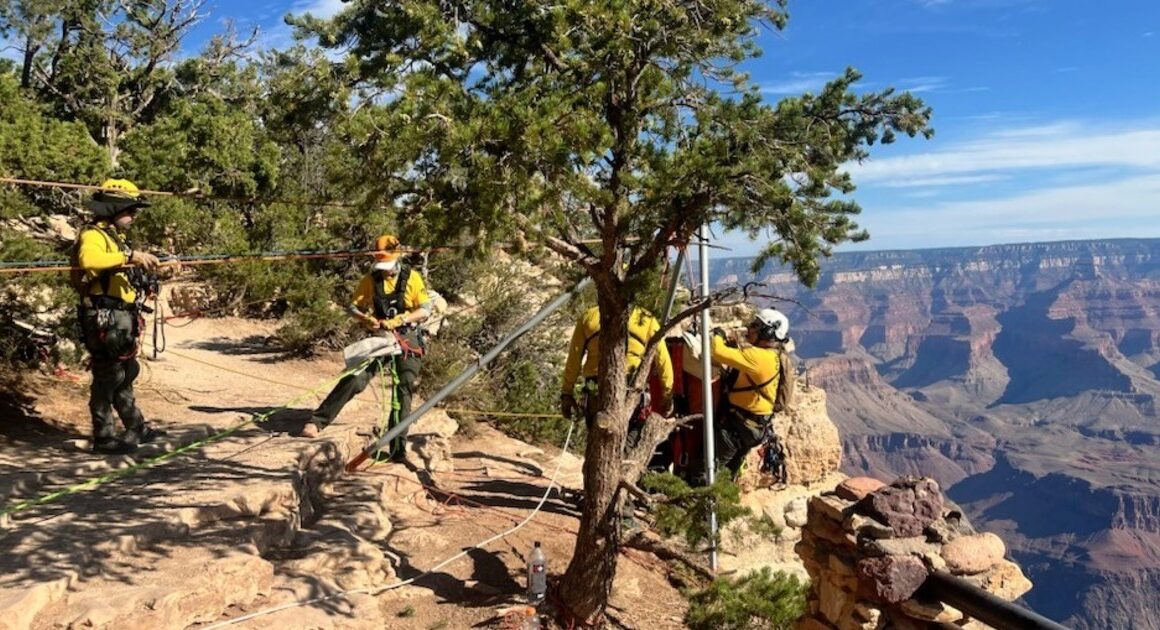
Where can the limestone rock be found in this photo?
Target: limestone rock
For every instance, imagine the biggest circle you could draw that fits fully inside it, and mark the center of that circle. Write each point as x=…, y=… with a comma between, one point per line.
x=836, y=604
x=973, y=554
x=812, y=445
x=914, y=546
x=908, y=505
x=435, y=422
x=831, y=507
x=825, y=528
x=864, y=526
x=1005, y=580
x=933, y=611
x=795, y=512
x=892, y=579
x=20, y=606
x=856, y=488
x=58, y=226
x=429, y=441
x=869, y=616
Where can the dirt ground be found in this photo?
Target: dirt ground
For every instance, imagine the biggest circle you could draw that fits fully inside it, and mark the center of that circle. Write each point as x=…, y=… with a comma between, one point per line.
x=258, y=520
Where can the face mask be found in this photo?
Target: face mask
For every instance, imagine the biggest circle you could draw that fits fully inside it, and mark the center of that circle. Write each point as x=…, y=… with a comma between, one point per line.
x=388, y=267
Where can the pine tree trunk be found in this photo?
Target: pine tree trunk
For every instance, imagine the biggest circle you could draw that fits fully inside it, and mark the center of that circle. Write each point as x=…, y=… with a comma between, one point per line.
x=587, y=584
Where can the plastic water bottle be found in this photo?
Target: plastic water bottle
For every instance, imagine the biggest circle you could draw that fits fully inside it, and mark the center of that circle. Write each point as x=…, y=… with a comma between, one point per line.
x=531, y=620
x=537, y=575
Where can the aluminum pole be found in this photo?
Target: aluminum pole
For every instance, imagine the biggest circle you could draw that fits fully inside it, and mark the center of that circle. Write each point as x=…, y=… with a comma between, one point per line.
x=676, y=282
x=466, y=375
x=707, y=391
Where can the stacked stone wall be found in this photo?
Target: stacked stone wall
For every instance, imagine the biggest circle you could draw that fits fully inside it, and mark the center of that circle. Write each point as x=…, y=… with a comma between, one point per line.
x=868, y=547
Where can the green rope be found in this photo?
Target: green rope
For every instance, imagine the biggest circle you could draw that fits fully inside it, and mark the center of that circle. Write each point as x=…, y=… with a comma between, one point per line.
x=129, y=470
x=398, y=445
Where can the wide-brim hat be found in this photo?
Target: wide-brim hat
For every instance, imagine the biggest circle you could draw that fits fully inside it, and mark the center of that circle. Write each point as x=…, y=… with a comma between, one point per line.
x=116, y=196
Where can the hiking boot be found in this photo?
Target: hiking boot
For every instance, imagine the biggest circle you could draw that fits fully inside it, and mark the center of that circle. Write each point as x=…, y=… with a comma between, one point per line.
x=144, y=435
x=309, y=430
x=112, y=446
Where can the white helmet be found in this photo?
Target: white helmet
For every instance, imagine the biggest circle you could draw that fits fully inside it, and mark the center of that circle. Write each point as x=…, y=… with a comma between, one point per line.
x=772, y=325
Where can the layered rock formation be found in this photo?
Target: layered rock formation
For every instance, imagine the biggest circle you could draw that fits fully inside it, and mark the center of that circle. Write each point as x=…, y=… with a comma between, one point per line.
x=813, y=455
x=1024, y=379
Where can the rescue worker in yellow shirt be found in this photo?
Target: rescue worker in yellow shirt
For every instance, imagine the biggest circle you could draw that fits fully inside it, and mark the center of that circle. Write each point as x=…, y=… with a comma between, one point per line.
x=391, y=297
x=108, y=276
x=584, y=359
x=751, y=385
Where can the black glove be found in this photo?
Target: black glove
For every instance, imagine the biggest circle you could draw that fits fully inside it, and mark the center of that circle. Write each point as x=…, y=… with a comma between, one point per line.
x=719, y=332
x=567, y=406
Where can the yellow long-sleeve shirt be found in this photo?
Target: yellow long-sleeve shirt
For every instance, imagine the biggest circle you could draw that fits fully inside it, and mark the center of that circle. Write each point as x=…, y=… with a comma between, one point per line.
x=585, y=348
x=756, y=366
x=98, y=250
x=414, y=297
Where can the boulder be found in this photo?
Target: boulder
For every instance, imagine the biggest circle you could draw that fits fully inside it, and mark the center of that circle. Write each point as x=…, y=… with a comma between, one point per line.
x=856, y=488
x=891, y=579
x=907, y=506
x=973, y=554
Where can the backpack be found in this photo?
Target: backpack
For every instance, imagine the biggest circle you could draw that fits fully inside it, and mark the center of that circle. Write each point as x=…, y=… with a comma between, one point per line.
x=784, y=400
x=434, y=323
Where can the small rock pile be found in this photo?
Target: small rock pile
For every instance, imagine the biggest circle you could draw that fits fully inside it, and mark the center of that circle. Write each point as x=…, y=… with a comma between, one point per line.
x=868, y=547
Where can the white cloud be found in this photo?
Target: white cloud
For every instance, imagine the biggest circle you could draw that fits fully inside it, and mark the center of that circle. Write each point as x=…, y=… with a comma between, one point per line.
x=1060, y=145
x=947, y=180
x=918, y=85
x=799, y=83
x=1124, y=207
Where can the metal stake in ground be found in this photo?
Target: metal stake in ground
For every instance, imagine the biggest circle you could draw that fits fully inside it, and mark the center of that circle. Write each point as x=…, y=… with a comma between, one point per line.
x=466, y=375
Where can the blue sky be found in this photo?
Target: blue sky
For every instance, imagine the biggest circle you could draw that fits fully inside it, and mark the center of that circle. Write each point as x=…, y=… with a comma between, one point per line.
x=1047, y=112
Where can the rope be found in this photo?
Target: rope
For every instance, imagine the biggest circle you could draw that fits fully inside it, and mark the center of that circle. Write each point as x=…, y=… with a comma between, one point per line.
x=499, y=414
x=181, y=195
x=26, y=266
x=477, y=412
x=217, y=437
x=379, y=589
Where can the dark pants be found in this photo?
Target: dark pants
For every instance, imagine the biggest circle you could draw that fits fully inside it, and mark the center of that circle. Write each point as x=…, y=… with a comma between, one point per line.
x=111, y=338
x=736, y=435
x=406, y=368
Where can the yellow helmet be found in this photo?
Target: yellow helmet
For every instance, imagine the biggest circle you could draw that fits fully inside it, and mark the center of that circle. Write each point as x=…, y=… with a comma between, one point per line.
x=120, y=188
x=114, y=197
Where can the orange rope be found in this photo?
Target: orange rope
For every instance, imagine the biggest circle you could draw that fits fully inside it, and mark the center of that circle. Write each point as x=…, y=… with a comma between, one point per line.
x=186, y=195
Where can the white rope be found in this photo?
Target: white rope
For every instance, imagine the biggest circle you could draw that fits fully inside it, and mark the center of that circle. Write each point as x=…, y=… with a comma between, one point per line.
x=375, y=590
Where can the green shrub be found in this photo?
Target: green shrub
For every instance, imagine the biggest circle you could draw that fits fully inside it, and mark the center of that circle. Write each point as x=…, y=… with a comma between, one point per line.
x=761, y=600
x=685, y=511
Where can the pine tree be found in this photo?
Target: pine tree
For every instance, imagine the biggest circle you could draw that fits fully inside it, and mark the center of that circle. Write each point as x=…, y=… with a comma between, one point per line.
x=623, y=120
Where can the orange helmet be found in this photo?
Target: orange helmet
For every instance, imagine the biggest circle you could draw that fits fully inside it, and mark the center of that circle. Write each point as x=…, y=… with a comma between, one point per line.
x=386, y=251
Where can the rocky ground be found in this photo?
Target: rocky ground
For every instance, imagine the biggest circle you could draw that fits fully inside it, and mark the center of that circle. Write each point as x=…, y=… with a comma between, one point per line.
x=262, y=519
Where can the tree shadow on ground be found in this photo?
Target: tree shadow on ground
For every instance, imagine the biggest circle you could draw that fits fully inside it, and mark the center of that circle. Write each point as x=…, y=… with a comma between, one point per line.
x=282, y=420
x=50, y=541
x=19, y=421
x=525, y=466
x=257, y=346
x=499, y=493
